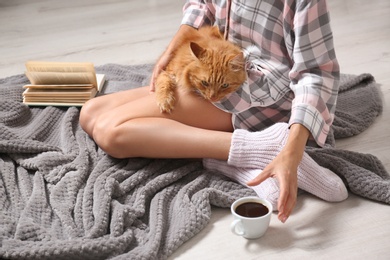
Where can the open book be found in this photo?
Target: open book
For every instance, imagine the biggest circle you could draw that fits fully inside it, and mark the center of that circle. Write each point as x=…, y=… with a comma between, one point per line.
x=61, y=83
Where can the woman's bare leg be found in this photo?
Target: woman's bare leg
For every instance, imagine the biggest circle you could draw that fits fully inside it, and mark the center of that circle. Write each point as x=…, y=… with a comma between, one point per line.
x=129, y=124
x=99, y=105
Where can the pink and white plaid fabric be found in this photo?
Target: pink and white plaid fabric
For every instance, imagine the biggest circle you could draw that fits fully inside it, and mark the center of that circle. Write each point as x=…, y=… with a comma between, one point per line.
x=293, y=73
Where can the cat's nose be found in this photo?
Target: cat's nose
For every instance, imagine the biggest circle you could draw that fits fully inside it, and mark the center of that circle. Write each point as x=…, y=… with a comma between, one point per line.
x=213, y=99
x=210, y=95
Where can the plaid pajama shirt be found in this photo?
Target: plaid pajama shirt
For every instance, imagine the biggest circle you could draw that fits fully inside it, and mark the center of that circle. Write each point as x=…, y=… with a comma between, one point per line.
x=293, y=73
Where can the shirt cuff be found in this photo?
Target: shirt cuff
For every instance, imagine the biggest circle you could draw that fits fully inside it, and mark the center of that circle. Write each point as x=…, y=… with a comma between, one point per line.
x=195, y=15
x=312, y=119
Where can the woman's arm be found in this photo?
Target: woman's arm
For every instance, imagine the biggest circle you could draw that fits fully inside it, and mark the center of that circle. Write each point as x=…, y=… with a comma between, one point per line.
x=163, y=61
x=315, y=72
x=284, y=169
x=195, y=14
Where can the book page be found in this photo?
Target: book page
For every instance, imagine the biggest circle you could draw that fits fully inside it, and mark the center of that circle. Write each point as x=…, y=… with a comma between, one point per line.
x=60, y=78
x=54, y=99
x=46, y=66
x=55, y=103
x=87, y=93
x=68, y=86
x=60, y=73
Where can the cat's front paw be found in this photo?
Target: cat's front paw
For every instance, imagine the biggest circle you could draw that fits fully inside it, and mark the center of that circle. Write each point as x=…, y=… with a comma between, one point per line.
x=166, y=104
x=165, y=92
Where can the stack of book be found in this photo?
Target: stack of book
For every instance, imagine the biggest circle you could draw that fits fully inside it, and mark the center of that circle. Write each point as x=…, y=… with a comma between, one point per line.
x=61, y=83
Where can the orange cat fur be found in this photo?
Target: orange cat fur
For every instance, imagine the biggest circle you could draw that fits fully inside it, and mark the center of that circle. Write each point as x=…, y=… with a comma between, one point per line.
x=205, y=64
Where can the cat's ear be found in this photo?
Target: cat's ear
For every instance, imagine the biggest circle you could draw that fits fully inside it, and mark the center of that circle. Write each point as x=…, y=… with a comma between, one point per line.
x=196, y=50
x=238, y=62
x=215, y=32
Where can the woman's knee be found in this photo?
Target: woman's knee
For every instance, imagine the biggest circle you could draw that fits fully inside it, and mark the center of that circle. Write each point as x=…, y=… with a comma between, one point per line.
x=111, y=138
x=103, y=134
x=88, y=116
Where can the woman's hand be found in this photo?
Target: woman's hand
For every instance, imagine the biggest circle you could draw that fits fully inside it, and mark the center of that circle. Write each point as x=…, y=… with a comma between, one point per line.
x=284, y=168
x=158, y=68
x=183, y=32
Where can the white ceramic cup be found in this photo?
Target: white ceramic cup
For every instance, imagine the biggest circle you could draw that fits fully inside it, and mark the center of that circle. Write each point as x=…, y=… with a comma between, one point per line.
x=250, y=227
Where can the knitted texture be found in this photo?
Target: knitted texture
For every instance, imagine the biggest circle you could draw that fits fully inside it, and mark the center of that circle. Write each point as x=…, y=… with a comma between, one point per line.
x=64, y=198
x=255, y=150
x=364, y=174
x=268, y=189
x=61, y=197
x=359, y=103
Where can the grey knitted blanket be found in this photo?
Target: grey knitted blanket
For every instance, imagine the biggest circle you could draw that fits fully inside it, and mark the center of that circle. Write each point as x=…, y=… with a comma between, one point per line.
x=61, y=197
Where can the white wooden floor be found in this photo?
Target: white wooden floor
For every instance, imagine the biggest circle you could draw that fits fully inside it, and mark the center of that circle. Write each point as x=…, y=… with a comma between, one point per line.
x=134, y=32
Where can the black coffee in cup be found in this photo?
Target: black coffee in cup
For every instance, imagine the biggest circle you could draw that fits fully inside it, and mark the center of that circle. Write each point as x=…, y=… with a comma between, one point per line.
x=251, y=210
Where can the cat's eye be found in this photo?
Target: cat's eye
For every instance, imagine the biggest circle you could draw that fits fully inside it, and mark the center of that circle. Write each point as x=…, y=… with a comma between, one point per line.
x=225, y=85
x=205, y=83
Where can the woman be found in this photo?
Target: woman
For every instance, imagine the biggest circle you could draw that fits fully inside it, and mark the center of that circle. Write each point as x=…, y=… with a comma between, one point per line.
x=292, y=77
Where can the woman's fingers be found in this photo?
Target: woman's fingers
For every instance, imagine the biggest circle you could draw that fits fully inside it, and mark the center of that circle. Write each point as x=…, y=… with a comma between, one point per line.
x=259, y=179
x=287, y=197
x=156, y=71
x=288, y=190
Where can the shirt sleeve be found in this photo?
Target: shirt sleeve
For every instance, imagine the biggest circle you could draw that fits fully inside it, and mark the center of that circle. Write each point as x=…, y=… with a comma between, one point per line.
x=197, y=13
x=315, y=72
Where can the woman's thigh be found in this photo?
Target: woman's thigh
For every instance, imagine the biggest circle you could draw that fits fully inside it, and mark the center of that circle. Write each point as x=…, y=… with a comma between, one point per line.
x=101, y=104
x=95, y=107
x=118, y=108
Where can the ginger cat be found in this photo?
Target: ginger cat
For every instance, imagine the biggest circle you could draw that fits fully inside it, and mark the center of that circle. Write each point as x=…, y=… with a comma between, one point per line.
x=205, y=64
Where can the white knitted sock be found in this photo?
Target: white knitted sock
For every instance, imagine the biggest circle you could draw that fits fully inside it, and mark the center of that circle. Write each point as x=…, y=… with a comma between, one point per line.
x=268, y=189
x=257, y=149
